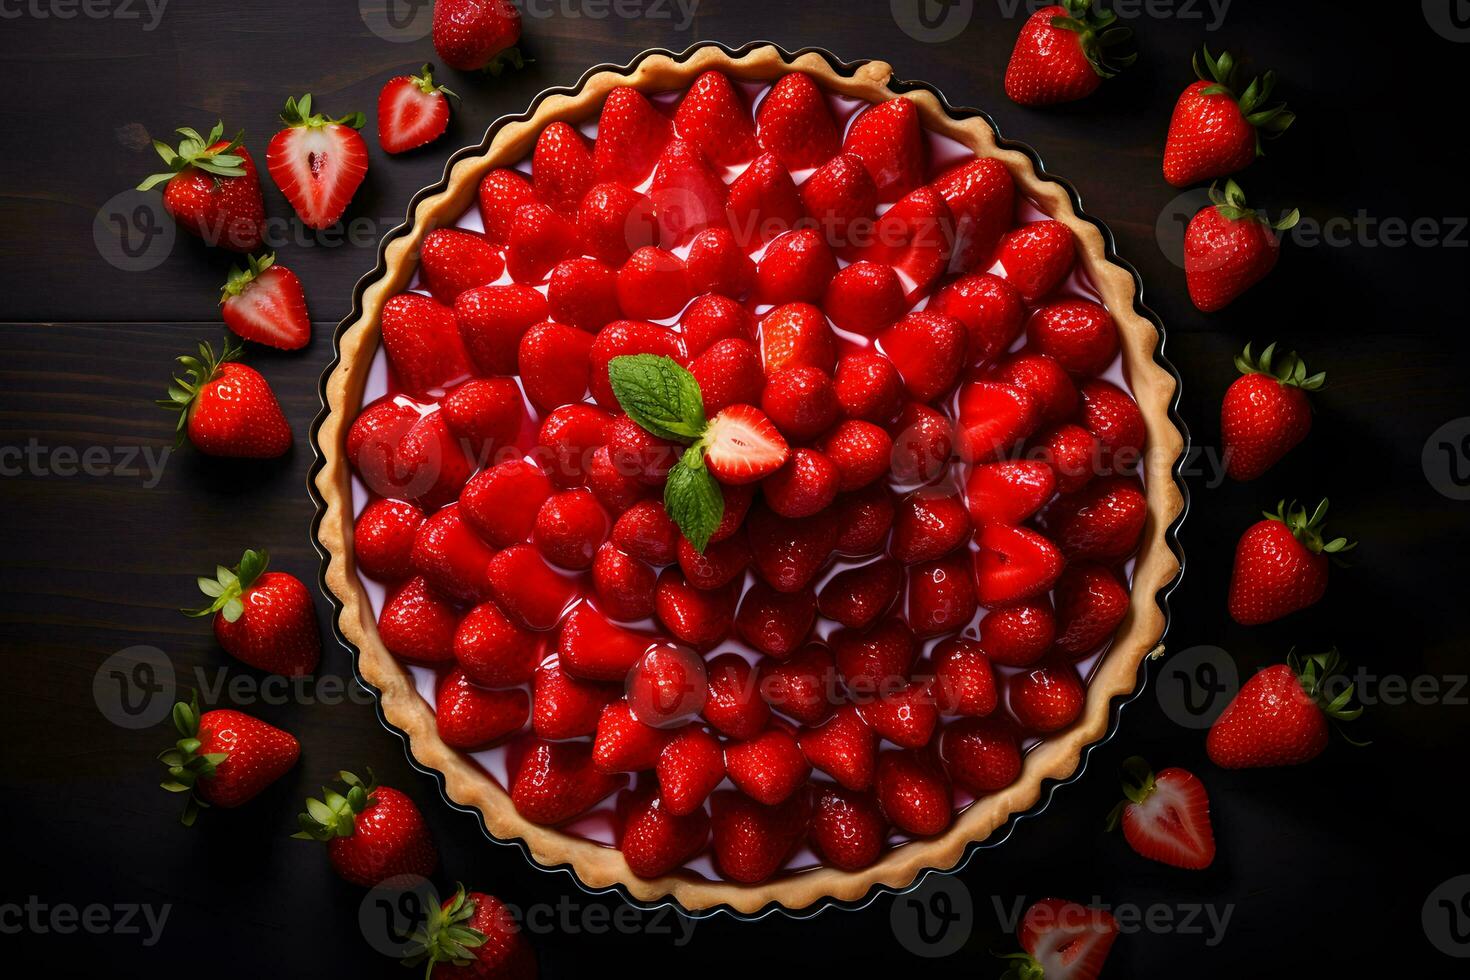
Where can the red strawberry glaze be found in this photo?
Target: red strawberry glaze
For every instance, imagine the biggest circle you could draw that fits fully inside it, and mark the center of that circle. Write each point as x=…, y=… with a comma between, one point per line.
x=600, y=822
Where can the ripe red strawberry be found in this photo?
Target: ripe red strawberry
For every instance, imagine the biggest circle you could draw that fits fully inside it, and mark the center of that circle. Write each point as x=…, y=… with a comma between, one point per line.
x=1215, y=132
x=1044, y=378
x=923, y=443
x=1062, y=56
x=742, y=446
x=563, y=706
x=870, y=659
x=224, y=758
x=422, y=340
x=800, y=401
x=502, y=192
x=991, y=310
x=717, y=264
x=1046, y=698
x=1165, y=818
x=803, y=687
x=1113, y=417
x=264, y=619
x=687, y=192
x=929, y=523
x=983, y=755
x=540, y=237
x=452, y=261
x=453, y=558
x=1279, y=717
x=719, y=563
x=805, y=485
x=491, y=321
x=1079, y=333
x=570, y=527
x=418, y=625
x=372, y=832
x=622, y=338
x=556, y=781
x=698, y=617
x=561, y=168
x=1281, y=564
x=1228, y=248
x=1064, y=940
x=263, y=302
x=868, y=386
x=583, y=292
x=624, y=584
x=473, y=935
x=734, y=705
x=865, y=298
x=383, y=538
x=941, y=596
x=729, y=373
x=905, y=716
x=402, y=453
x=797, y=334
x=861, y=451
x=848, y=828
x=737, y=501
x=1037, y=257
x=994, y=418
x=412, y=111
x=567, y=438
x=1008, y=492
x=653, y=284
x=317, y=162
x=213, y=190
x=789, y=553
x=863, y=518
x=795, y=268
x=915, y=237
x=841, y=198
x=475, y=34
x=793, y=122
x=555, y=365
x=768, y=768
x=654, y=840
x=773, y=622
x=615, y=490
x=225, y=408
x=631, y=134
x=1103, y=522
x=494, y=650
x=1091, y=602
x=689, y=768
x=623, y=743
x=1265, y=413
x=1020, y=635
x=614, y=221
x=712, y=318
x=886, y=138
x=856, y=597
x=712, y=115
x=1073, y=453
x=845, y=747
x=501, y=503
x=981, y=197
x=928, y=349
x=646, y=531
x=914, y=792
x=753, y=841
x=528, y=589
x=594, y=649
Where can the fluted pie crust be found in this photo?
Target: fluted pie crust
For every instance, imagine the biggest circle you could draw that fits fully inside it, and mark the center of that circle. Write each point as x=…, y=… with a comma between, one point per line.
x=597, y=866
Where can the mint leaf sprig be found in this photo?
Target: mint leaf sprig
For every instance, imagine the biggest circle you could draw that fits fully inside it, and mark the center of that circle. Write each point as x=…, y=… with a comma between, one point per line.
x=663, y=398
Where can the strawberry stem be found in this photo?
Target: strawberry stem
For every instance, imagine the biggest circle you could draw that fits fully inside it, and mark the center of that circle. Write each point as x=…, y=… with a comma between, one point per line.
x=227, y=589
x=445, y=938
x=184, y=763
x=425, y=81
x=1314, y=674
x=1230, y=204
x=199, y=371
x=1221, y=72
x=1096, y=33
x=194, y=151
x=240, y=279
x=335, y=814
x=298, y=114
x=1308, y=529
x=1290, y=371
x=1138, y=786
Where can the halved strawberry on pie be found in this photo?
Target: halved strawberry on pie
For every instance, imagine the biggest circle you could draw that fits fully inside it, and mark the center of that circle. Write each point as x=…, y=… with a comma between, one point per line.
x=759, y=457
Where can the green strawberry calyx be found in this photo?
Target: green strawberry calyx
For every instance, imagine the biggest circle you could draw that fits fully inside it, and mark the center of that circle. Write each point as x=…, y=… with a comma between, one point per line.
x=1023, y=966
x=1290, y=370
x=425, y=82
x=335, y=814
x=198, y=372
x=298, y=114
x=1270, y=121
x=1308, y=529
x=1230, y=204
x=195, y=151
x=241, y=279
x=1138, y=786
x=444, y=937
x=1096, y=33
x=185, y=764
x=227, y=589
x=1317, y=674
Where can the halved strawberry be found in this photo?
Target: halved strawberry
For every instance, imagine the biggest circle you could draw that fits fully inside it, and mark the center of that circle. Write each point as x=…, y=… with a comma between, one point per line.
x=1014, y=564
x=993, y=419
x=264, y=303
x=317, y=162
x=742, y=446
x=1064, y=940
x=1165, y=818
x=1008, y=492
x=412, y=111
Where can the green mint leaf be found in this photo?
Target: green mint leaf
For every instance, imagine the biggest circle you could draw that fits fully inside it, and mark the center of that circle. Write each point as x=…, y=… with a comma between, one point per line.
x=693, y=499
x=659, y=395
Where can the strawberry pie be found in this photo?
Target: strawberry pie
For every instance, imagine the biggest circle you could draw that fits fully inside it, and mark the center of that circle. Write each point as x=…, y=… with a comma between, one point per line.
x=746, y=483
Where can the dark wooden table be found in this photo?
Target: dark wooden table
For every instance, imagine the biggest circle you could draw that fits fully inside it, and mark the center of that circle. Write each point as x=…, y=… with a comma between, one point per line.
x=1320, y=869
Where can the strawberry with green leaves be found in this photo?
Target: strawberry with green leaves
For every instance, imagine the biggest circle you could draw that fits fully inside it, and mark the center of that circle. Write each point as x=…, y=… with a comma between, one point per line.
x=264, y=302
x=1165, y=817
x=317, y=162
x=227, y=408
x=1281, y=564
x=224, y=758
x=412, y=111
x=372, y=832
x=212, y=189
x=472, y=935
x=1216, y=132
x=739, y=445
x=1279, y=717
x=262, y=618
x=1061, y=54
x=1265, y=413
x=1228, y=248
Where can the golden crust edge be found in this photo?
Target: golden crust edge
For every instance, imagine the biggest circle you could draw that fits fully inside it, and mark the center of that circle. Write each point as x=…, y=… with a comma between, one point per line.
x=599, y=867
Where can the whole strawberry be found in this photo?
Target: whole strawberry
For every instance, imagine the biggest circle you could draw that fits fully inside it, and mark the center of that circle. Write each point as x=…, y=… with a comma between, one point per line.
x=1061, y=54
x=1265, y=412
x=1281, y=565
x=225, y=408
x=1279, y=717
x=1215, y=131
x=474, y=34
x=264, y=619
x=472, y=935
x=224, y=758
x=213, y=189
x=1165, y=817
x=263, y=302
x=412, y=111
x=372, y=833
x=1228, y=248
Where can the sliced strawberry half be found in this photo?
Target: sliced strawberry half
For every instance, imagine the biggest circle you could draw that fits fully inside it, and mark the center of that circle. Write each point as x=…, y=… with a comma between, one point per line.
x=741, y=445
x=412, y=111
x=1064, y=940
x=317, y=162
x=1166, y=817
x=263, y=302
x=1014, y=564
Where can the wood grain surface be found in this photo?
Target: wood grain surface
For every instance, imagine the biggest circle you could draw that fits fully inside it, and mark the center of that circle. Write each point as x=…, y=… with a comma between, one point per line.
x=104, y=527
